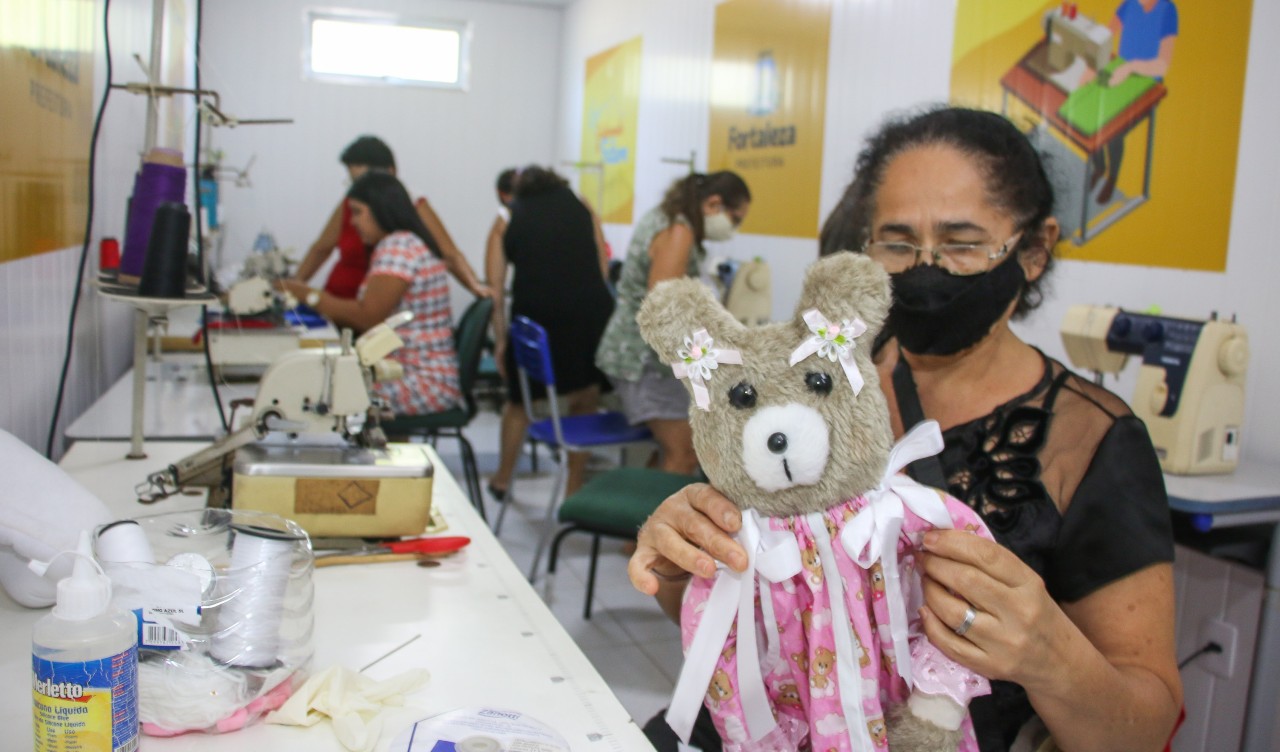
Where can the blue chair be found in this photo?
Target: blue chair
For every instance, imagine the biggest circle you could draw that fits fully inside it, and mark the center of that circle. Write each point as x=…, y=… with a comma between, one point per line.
x=571, y=433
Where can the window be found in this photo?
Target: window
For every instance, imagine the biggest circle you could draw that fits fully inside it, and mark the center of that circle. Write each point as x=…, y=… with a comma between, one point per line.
x=390, y=50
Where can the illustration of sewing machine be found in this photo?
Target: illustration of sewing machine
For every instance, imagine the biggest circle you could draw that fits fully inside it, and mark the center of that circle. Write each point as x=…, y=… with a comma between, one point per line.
x=1190, y=389
x=745, y=289
x=312, y=449
x=1074, y=44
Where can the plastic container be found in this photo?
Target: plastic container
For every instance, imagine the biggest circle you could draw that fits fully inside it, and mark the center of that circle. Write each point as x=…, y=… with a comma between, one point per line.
x=84, y=664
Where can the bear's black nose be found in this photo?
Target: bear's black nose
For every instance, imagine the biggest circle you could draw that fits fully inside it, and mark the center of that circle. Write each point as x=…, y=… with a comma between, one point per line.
x=778, y=443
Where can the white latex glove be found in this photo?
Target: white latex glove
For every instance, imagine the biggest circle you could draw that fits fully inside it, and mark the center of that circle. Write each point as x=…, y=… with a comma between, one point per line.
x=350, y=700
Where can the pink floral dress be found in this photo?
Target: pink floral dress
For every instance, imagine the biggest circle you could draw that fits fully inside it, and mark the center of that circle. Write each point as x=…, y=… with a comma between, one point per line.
x=829, y=670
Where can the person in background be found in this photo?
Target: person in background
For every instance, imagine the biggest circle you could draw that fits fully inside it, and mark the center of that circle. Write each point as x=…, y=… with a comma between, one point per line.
x=405, y=273
x=666, y=244
x=556, y=249
x=364, y=154
x=1070, y=611
x=1145, y=32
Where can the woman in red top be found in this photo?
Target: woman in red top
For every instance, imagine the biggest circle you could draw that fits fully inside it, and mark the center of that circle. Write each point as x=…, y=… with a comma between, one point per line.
x=364, y=154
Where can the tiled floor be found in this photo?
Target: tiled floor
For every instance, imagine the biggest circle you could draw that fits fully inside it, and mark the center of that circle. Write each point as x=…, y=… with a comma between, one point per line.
x=633, y=645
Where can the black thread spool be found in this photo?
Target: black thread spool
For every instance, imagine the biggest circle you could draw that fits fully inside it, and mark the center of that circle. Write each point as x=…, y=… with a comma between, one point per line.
x=164, y=272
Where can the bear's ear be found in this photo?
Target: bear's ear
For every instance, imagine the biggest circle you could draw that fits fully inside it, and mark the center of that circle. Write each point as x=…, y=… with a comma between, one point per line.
x=846, y=285
x=674, y=309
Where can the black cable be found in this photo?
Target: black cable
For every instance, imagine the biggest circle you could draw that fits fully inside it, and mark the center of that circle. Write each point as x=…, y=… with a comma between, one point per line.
x=88, y=230
x=1209, y=647
x=201, y=276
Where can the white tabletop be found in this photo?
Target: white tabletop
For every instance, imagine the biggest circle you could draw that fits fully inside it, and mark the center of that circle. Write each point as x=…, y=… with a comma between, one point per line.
x=179, y=404
x=486, y=637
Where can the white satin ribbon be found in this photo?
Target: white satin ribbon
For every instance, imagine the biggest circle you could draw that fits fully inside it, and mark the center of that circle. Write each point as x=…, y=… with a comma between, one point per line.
x=698, y=359
x=833, y=342
x=872, y=535
x=773, y=555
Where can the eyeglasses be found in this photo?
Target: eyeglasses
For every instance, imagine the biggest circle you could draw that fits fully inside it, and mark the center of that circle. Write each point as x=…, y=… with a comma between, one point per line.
x=958, y=258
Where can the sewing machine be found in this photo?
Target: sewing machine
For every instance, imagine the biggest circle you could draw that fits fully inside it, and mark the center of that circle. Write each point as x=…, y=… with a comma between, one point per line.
x=1075, y=43
x=1190, y=389
x=312, y=449
x=253, y=328
x=745, y=288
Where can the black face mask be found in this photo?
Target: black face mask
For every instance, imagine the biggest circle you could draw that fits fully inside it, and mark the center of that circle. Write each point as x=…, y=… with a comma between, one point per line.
x=938, y=313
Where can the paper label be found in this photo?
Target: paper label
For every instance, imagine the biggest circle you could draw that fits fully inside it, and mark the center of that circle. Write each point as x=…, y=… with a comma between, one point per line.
x=84, y=706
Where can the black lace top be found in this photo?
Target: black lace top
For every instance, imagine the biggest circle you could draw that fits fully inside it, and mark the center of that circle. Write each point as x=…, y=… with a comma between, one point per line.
x=1066, y=445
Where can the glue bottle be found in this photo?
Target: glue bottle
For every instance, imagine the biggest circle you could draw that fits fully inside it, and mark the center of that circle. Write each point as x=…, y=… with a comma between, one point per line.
x=84, y=666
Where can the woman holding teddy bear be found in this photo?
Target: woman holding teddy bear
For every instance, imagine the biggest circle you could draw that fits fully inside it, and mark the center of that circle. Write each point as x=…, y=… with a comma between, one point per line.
x=1070, y=610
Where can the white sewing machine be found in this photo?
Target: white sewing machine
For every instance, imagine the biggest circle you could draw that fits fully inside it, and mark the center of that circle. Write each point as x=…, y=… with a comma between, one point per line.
x=253, y=330
x=312, y=449
x=1190, y=389
x=745, y=289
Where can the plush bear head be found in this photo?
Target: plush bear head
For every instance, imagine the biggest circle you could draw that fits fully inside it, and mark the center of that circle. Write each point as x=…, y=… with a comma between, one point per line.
x=788, y=418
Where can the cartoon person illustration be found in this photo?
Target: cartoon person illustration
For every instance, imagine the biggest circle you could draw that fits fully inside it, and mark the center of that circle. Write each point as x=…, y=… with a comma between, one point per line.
x=1146, y=30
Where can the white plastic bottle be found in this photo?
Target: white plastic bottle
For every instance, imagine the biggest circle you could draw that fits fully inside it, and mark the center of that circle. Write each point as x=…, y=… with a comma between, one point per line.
x=84, y=667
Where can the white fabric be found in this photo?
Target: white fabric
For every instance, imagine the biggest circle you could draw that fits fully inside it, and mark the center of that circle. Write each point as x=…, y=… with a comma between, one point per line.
x=872, y=535
x=802, y=462
x=773, y=555
x=42, y=512
x=351, y=700
x=698, y=360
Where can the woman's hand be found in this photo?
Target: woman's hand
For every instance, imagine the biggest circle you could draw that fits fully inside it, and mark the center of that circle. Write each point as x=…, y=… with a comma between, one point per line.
x=295, y=287
x=687, y=533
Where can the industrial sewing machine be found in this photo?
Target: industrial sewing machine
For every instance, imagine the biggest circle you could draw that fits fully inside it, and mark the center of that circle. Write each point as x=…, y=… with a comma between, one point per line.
x=1190, y=389
x=256, y=324
x=312, y=450
x=745, y=289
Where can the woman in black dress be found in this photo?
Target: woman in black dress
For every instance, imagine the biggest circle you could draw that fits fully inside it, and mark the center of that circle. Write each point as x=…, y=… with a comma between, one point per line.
x=554, y=243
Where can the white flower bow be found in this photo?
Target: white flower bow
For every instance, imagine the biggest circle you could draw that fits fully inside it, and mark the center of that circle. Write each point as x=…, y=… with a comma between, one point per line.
x=698, y=359
x=872, y=535
x=833, y=342
x=773, y=555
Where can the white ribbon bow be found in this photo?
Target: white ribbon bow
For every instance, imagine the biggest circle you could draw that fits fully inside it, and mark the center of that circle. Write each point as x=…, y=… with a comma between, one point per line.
x=771, y=554
x=872, y=535
x=833, y=342
x=698, y=359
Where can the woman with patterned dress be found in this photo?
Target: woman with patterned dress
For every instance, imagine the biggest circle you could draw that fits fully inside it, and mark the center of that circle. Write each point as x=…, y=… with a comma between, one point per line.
x=666, y=244
x=405, y=273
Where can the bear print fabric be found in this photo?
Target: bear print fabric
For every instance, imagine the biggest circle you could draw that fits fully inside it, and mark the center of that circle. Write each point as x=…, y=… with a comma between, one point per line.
x=800, y=653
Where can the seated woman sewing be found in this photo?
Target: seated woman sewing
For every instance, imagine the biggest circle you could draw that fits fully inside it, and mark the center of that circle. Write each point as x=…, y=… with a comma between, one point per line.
x=406, y=273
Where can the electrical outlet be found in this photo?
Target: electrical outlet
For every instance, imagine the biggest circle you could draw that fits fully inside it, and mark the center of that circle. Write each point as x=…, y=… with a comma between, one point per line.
x=1219, y=664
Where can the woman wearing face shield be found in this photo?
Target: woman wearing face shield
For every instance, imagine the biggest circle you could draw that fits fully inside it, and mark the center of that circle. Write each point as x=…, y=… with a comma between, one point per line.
x=666, y=244
x=1070, y=611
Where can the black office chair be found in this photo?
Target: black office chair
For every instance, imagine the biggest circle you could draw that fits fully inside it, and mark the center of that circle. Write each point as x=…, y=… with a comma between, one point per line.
x=468, y=341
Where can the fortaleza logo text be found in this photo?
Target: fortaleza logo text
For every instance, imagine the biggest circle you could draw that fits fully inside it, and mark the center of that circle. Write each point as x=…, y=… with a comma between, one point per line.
x=58, y=690
x=765, y=137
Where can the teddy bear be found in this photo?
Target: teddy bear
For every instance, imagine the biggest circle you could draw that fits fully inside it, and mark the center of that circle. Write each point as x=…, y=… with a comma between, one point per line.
x=820, y=636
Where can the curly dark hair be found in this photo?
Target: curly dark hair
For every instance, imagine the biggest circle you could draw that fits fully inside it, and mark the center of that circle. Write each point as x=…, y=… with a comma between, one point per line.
x=1013, y=170
x=685, y=196
x=392, y=208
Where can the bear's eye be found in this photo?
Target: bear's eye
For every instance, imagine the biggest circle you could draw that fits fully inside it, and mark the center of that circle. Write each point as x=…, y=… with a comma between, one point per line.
x=742, y=395
x=818, y=382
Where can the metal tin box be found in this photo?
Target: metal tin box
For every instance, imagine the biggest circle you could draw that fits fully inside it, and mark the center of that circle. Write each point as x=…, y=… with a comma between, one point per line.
x=338, y=490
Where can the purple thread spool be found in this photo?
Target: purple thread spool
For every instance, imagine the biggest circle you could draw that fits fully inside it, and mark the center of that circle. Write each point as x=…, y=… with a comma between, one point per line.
x=155, y=184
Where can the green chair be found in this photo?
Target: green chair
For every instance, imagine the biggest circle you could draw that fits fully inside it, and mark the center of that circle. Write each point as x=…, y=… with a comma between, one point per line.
x=613, y=504
x=468, y=340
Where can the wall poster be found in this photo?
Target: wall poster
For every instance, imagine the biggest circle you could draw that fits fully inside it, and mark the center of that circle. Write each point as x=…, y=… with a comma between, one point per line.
x=768, y=105
x=1136, y=104
x=610, y=109
x=46, y=92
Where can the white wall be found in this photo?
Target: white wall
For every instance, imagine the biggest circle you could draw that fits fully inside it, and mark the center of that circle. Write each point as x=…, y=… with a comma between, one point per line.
x=887, y=55
x=449, y=145
x=37, y=291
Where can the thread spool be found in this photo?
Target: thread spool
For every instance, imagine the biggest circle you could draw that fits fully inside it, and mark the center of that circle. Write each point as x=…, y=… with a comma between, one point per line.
x=248, y=624
x=164, y=274
x=123, y=541
x=109, y=255
x=162, y=178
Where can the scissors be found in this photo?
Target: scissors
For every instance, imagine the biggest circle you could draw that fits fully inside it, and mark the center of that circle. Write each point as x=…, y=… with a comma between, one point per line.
x=403, y=550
